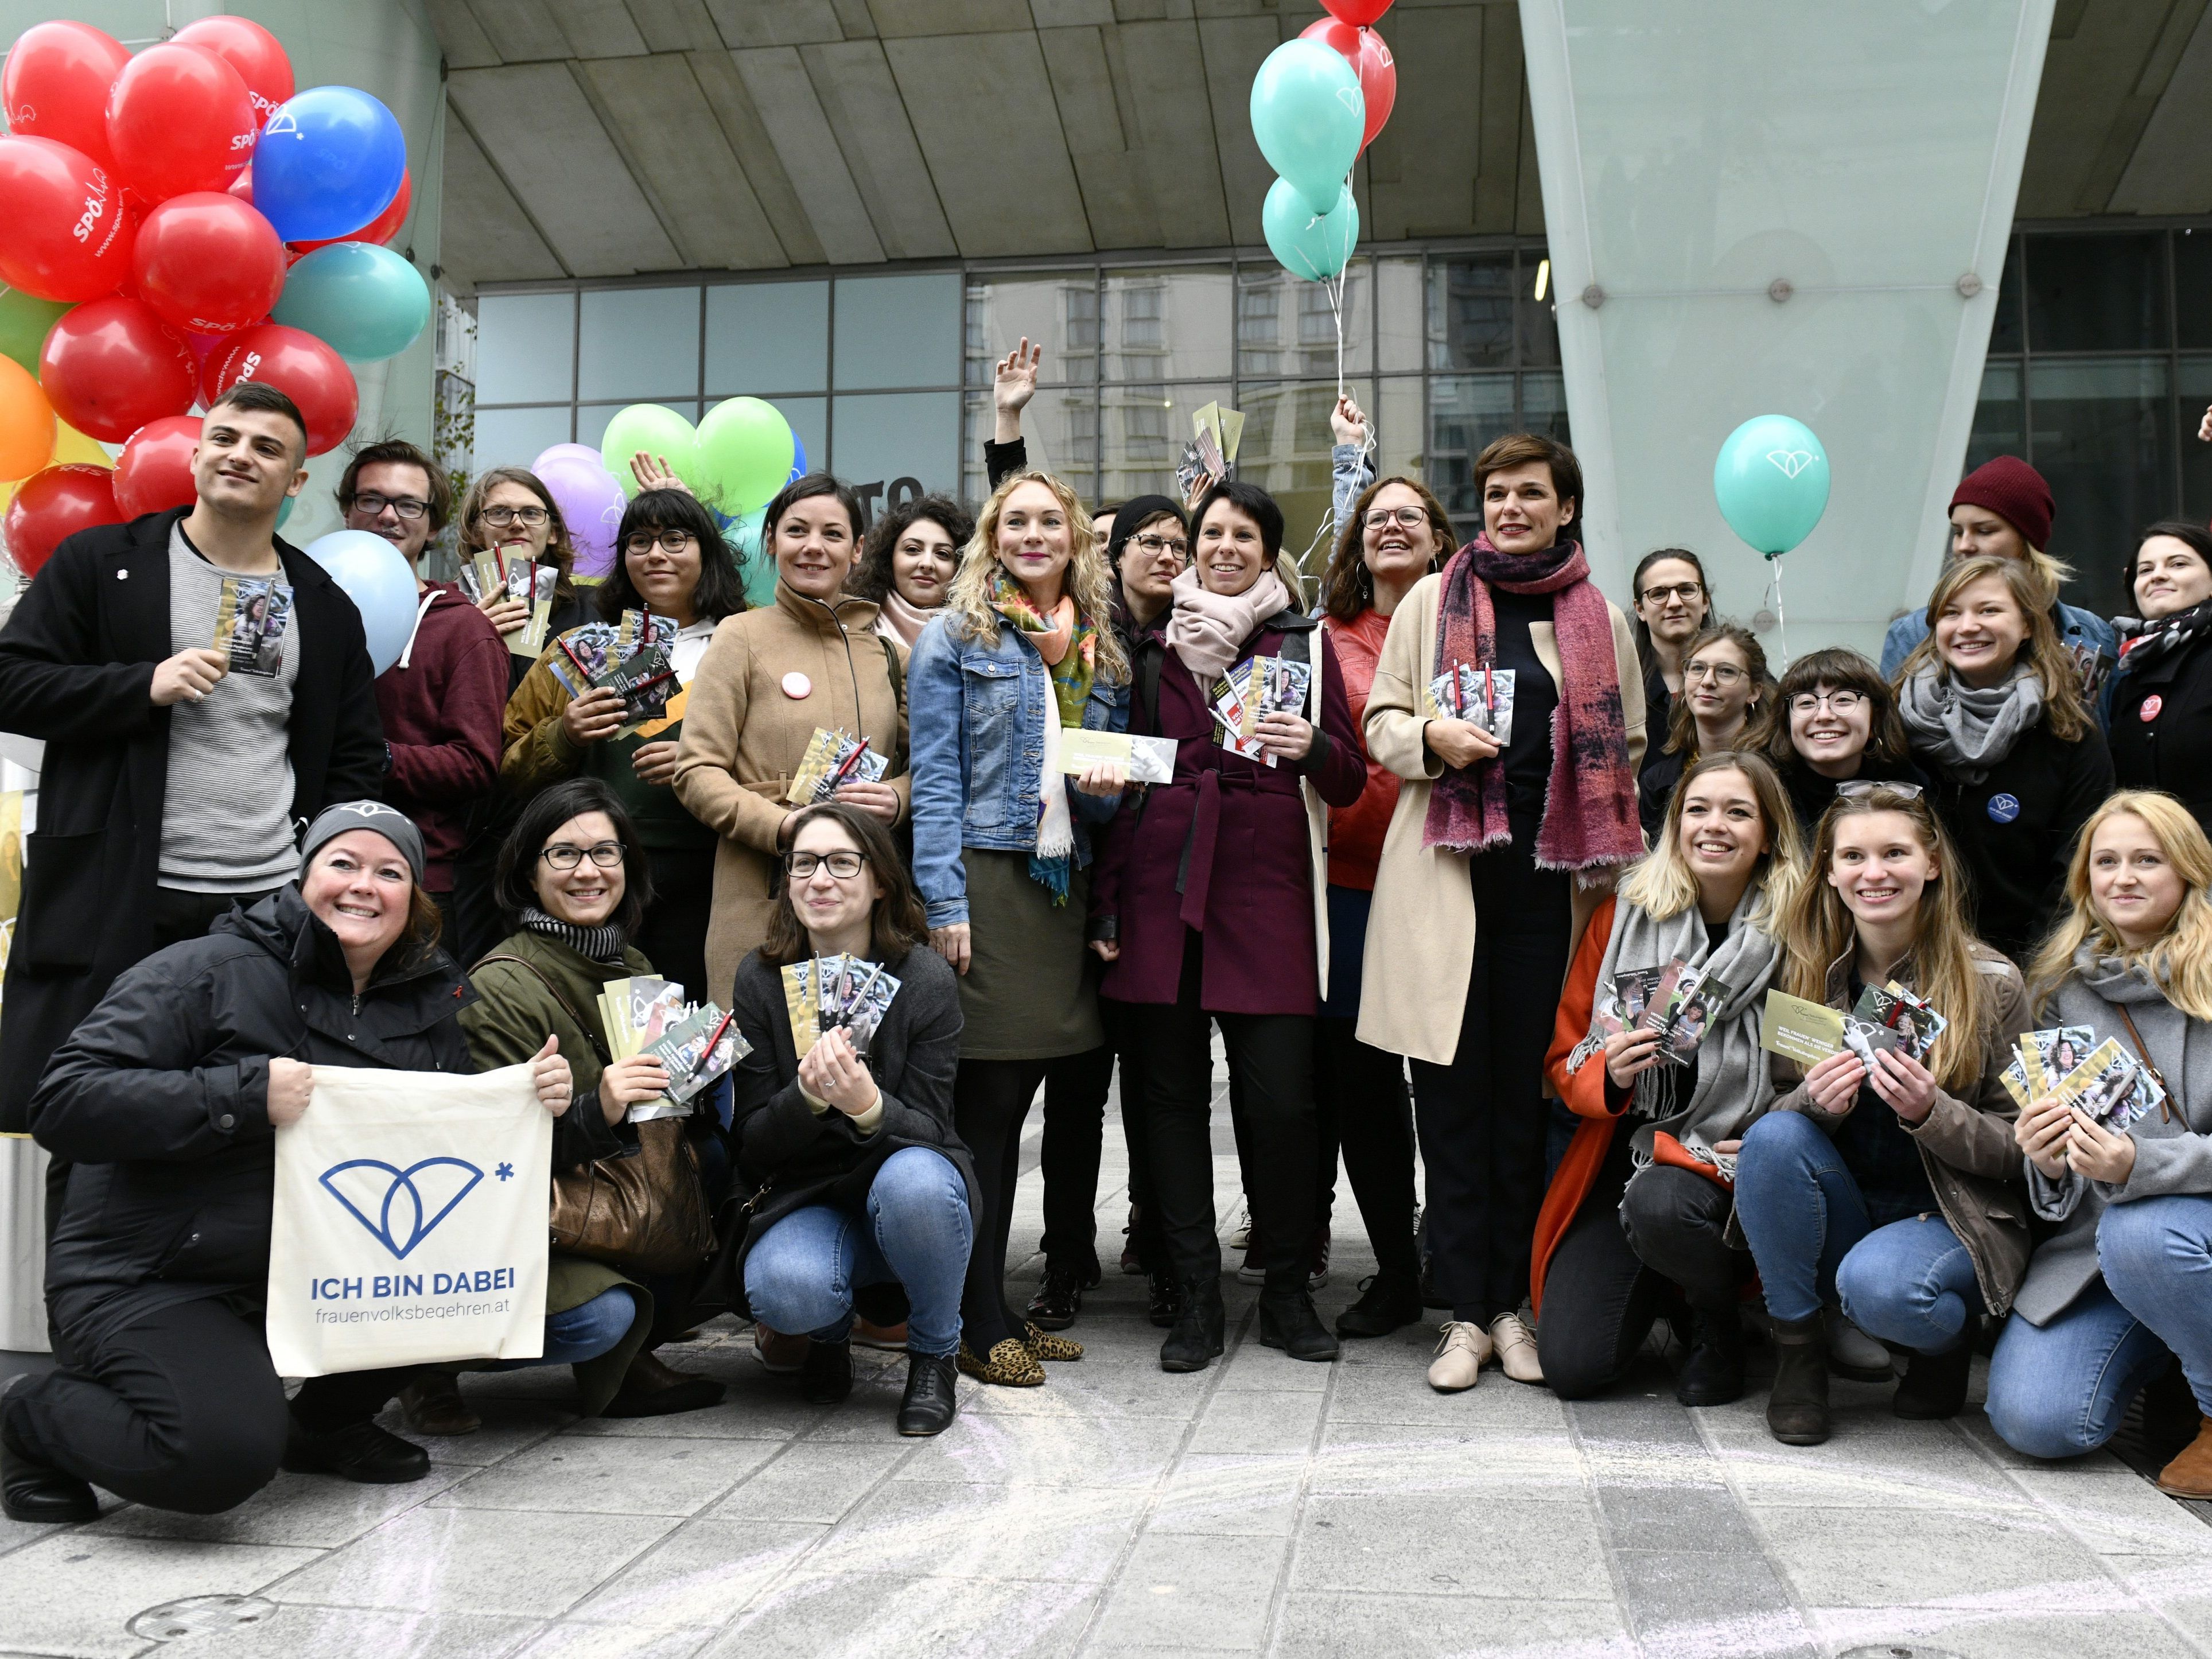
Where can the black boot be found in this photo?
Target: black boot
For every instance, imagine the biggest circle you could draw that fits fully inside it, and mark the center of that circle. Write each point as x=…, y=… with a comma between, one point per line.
x=931, y=1401
x=1935, y=1385
x=1288, y=1321
x=32, y=1490
x=1201, y=1328
x=1385, y=1305
x=1797, y=1410
x=1058, y=1300
x=1712, y=1372
x=825, y=1375
x=1163, y=1299
x=358, y=1451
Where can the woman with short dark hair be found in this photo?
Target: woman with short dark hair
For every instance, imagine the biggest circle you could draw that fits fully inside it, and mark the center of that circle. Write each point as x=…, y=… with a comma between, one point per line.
x=1835, y=719
x=2161, y=705
x=1672, y=602
x=908, y=563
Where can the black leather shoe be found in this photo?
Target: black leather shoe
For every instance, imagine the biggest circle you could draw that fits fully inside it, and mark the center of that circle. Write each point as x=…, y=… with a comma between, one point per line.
x=1798, y=1409
x=1163, y=1299
x=931, y=1401
x=1712, y=1373
x=1200, y=1332
x=1935, y=1385
x=825, y=1376
x=360, y=1451
x=1288, y=1321
x=36, y=1491
x=1058, y=1300
x=1383, y=1307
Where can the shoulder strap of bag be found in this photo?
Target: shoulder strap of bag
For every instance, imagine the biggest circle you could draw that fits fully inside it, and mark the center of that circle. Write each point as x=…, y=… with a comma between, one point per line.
x=531, y=968
x=897, y=673
x=2164, y=1105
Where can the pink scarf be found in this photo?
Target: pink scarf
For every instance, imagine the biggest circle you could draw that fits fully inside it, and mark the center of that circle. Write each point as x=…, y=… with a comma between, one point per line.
x=903, y=622
x=1206, y=628
x=1589, y=801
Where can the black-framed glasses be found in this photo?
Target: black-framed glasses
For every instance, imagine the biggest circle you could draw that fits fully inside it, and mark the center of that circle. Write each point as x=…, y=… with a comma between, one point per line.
x=504, y=516
x=1409, y=517
x=407, y=507
x=1156, y=545
x=562, y=856
x=1683, y=591
x=1855, y=788
x=1839, y=702
x=672, y=542
x=844, y=864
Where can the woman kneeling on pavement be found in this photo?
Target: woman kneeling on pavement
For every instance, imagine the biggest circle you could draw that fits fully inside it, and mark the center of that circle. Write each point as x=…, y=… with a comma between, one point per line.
x=848, y=1136
x=158, y=1265
x=2125, y=1278
x=1632, y=1220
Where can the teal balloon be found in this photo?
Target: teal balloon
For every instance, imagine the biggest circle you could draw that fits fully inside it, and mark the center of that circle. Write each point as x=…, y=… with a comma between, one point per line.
x=1771, y=479
x=743, y=534
x=745, y=451
x=1309, y=115
x=363, y=301
x=655, y=429
x=1314, y=245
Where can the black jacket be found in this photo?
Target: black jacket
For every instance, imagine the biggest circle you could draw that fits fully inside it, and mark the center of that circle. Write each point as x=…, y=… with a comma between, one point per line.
x=2172, y=750
x=2014, y=830
x=76, y=669
x=159, y=1102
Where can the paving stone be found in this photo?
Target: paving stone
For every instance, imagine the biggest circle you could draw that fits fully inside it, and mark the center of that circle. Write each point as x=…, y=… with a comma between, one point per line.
x=1697, y=1605
x=1193, y=1591
x=929, y=1528
x=1438, y=1544
x=74, y=1591
x=2085, y=1632
x=702, y=1574
x=315, y=1511
x=1258, y=1420
x=566, y=1640
x=851, y=1614
x=601, y=1475
x=1048, y=1451
x=296, y=1631
x=810, y=1482
x=1240, y=1496
x=1879, y=1557
x=1328, y=1624
x=1502, y=1465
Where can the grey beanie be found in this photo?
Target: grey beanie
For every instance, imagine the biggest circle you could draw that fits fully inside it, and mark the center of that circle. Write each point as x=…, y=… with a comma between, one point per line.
x=388, y=822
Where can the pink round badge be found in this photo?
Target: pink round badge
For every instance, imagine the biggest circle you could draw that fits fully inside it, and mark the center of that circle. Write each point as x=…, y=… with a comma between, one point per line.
x=796, y=685
x=2151, y=705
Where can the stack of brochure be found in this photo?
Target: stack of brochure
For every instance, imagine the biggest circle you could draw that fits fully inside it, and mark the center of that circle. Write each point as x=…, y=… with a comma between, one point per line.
x=249, y=619
x=833, y=758
x=1481, y=696
x=824, y=994
x=1257, y=686
x=1677, y=1001
x=1885, y=1017
x=2104, y=1080
x=695, y=1042
x=490, y=575
x=631, y=656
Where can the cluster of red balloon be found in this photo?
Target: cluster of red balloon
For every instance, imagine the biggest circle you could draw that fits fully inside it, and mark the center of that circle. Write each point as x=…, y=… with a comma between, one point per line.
x=173, y=223
x=1317, y=103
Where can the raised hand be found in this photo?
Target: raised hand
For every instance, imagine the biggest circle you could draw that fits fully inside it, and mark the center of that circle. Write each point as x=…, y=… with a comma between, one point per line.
x=1012, y=387
x=653, y=472
x=1347, y=423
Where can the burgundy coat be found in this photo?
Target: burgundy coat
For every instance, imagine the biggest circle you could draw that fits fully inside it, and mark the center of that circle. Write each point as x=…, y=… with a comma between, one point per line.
x=1223, y=846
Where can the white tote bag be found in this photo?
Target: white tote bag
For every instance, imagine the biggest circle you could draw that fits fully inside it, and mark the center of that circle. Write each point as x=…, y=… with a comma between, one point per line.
x=409, y=1223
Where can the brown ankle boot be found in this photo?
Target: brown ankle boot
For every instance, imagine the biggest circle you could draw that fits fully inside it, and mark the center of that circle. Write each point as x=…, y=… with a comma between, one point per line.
x=2190, y=1475
x=432, y=1404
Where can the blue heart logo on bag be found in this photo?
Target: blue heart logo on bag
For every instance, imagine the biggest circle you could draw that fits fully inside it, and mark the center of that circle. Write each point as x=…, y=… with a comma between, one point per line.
x=404, y=1203
x=2003, y=808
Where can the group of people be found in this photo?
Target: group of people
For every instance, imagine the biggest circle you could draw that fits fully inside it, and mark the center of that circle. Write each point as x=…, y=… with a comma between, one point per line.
x=1406, y=914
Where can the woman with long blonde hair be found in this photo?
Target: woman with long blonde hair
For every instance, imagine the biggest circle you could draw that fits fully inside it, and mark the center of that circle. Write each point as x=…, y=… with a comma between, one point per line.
x=1993, y=713
x=2127, y=1274
x=1024, y=651
x=1890, y=1187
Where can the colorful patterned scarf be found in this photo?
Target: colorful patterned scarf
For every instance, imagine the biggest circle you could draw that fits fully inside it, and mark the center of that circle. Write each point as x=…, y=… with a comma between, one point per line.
x=1069, y=646
x=1589, y=801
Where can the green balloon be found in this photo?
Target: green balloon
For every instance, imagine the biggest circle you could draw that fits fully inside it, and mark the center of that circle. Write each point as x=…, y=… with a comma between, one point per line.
x=1314, y=245
x=745, y=449
x=24, y=320
x=655, y=429
x=743, y=536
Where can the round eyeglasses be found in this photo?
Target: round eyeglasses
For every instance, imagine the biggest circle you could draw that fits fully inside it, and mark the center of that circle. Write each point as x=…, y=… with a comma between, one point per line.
x=671, y=541
x=1839, y=702
x=562, y=856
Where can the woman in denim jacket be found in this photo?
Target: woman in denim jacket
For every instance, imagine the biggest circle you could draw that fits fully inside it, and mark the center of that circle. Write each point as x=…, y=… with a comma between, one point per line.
x=1025, y=648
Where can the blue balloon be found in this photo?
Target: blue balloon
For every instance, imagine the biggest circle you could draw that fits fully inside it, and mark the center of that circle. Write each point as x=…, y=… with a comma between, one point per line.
x=329, y=161
x=363, y=301
x=798, y=457
x=381, y=584
x=1309, y=116
x=284, y=509
x=1314, y=245
x=1770, y=480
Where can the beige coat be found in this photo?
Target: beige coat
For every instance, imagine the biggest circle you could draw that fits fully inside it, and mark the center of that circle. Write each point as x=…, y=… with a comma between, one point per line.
x=745, y=733
x=1420, y=933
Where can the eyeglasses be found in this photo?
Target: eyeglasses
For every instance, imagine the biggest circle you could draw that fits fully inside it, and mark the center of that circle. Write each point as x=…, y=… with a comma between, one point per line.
x=1860, y=786
x=1720, y=673
x=1683, y=591
x=407, y=507
x=844, y=865
x=1157, y=545
x=1839, y=702
x=562, y=856
x=1408, y=517
x=504, y=516
x=643, y=542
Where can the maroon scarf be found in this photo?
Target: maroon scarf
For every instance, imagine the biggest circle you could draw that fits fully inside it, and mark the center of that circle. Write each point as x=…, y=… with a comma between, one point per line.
x=1589, y=802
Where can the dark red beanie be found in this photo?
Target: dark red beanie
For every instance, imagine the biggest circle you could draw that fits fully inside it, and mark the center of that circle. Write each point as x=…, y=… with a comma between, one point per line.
x=2015, y=492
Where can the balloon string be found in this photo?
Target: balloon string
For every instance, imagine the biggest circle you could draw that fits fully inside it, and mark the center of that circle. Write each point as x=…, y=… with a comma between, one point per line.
x=1781, y=617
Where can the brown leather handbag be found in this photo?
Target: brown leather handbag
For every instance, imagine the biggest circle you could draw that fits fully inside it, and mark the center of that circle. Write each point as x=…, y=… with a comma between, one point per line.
x=643, y=1209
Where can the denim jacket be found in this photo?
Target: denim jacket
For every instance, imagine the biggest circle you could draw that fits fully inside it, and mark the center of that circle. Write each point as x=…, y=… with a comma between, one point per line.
x=977, y=713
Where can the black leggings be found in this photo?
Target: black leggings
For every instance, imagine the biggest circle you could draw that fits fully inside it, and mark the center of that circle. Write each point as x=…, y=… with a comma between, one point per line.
x=990, y=1102
x=1362, y=1108
x=1075, y=1090
x=181, y=1409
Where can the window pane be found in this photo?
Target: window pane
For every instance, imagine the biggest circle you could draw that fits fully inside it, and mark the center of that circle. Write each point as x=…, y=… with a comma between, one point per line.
x=1538, y=314
x=1544, y=405
x=2103, y=437
x=1142, y=430
x=894, y=445
x=639, y=344
x=2196, y=457
x=2004, y=331
x=516, y=437
x=1287, y=451
x=1466, y=411
x=900, y=330
x=2096, y=293
x=591, y=418
x=2192, y=280
x=2000, y=417
x=1060, y=428
x=1400, y=441
x=1470, y=304
x=767, y=336
x=1286, y=326
x=1163, y=324
x=525, y=345
x=1058, y=310
x=1398, y=309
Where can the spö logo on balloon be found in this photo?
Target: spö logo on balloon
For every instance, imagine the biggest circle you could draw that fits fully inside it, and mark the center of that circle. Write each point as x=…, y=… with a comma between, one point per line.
x=1791, y=461
x=400, y=1208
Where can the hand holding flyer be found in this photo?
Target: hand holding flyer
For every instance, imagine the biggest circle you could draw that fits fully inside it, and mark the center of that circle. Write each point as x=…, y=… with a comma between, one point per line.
x=833, y=758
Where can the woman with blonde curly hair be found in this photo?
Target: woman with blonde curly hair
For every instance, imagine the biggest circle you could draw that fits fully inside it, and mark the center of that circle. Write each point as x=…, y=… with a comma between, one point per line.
x=1023, y=650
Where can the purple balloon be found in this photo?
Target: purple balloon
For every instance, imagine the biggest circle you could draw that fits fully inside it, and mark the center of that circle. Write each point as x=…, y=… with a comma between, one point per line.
x=560, y=451
x=591, y=502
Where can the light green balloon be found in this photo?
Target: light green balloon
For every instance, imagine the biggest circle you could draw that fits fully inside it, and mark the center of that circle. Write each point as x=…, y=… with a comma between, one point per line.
x=745, y=449
x=24, y=321
x=656, y=429
x=743, y=536
x=1314, y=245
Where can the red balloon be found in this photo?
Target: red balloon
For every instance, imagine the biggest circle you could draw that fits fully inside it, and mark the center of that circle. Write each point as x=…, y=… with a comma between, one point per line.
x=56, y=85
x=112, y=365
x=1368, y=54
x=1357, y=12
x=156, y=472
x=253, y=52
x=380, y=229
x=208, y=263
x=179, y=120
x=52, y=505
x=302, y=368
x=66, y=234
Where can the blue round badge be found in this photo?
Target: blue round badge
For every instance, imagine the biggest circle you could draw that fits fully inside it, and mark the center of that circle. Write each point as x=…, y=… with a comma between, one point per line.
x=2003, y=808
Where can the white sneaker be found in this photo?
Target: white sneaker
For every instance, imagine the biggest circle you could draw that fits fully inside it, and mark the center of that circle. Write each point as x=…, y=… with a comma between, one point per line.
x=1517, y=1349
x=1462, y=1352
x=1240, y=1236
x=1852, y=1352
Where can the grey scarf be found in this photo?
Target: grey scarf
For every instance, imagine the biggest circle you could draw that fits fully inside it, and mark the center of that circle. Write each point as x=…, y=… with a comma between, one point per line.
x=1732, y=1087
x=1963, y=730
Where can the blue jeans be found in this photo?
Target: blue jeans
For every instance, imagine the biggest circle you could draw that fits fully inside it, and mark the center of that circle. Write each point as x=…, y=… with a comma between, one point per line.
x=584, y=1332
x=801, y=1275
x=2060, y=1389
x=1911, y=1283
x=2156, y=1253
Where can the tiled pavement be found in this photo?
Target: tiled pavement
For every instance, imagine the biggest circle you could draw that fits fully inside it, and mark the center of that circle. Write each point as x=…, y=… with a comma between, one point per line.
x=1264, y=1505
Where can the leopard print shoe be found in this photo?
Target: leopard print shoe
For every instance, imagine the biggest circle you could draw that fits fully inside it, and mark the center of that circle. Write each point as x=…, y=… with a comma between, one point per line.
x=1009, y=1366
x=1047, y=1344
